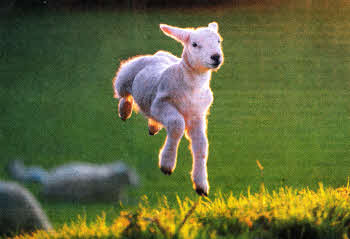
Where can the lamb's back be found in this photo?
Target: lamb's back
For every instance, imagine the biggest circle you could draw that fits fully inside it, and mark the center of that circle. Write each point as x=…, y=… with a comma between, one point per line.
x=146, y=81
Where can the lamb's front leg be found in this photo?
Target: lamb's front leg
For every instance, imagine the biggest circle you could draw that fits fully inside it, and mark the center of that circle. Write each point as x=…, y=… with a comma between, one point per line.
x=174, y=124
x=199, y=144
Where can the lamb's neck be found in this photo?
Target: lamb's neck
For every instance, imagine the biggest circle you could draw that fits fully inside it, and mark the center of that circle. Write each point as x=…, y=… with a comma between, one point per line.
x=195, y=78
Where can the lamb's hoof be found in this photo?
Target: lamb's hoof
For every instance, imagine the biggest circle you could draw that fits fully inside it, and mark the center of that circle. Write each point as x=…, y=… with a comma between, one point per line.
x=153, y=131
x=166, y=171
x=125, y=108
x=201, y=192
x=124, y=117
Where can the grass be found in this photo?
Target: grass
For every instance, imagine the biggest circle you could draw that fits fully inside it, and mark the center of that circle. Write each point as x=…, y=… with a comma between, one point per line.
x=286, y=213
x=281, y=97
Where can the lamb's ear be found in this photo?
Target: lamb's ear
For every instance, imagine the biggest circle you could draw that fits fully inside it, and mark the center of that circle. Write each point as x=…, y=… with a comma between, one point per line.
x=214, y=26
x=179, y=34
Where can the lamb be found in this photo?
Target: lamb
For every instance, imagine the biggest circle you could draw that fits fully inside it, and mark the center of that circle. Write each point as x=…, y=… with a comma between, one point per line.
x=81, y=182
x=19, y=211
x=175, y=93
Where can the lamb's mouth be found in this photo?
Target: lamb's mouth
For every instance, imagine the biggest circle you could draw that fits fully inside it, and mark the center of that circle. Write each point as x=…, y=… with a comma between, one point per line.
x=215, y=65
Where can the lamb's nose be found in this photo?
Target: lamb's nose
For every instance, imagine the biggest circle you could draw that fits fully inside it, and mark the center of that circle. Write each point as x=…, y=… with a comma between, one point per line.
x=216, y=58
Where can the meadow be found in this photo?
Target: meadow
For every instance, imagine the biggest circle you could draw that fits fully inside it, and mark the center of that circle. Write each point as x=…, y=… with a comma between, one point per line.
x=281, y=97
x=283, y=214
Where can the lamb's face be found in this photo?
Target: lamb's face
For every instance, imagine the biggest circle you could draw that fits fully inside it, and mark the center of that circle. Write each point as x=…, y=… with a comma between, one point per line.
x=203, y=49
x=202, y=46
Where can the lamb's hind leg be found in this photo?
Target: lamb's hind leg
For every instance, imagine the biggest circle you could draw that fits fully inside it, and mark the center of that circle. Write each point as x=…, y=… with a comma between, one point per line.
x=125, y=107
x=174, y=124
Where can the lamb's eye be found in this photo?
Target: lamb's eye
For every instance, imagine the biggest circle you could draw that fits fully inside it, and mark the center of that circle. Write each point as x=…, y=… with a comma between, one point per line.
x=194, y=44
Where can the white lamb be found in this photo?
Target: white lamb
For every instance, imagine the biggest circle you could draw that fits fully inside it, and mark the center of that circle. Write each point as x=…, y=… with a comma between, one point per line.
x=174, y=93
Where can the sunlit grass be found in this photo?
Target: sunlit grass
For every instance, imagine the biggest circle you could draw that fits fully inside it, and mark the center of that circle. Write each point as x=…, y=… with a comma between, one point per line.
x=285, y=213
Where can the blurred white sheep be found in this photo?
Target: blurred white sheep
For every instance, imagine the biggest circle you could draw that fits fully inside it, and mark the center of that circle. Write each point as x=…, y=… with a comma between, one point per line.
x=79, y=181
x=19, y=211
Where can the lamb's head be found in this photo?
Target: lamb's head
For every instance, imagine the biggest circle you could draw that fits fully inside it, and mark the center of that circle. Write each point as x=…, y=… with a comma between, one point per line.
x=202, y=46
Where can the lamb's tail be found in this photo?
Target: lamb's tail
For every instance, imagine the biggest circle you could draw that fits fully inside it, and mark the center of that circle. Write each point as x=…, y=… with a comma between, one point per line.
x=122, y=84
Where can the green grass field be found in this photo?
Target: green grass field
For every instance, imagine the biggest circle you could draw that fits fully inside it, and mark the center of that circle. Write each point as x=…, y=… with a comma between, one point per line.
x=281, y=97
